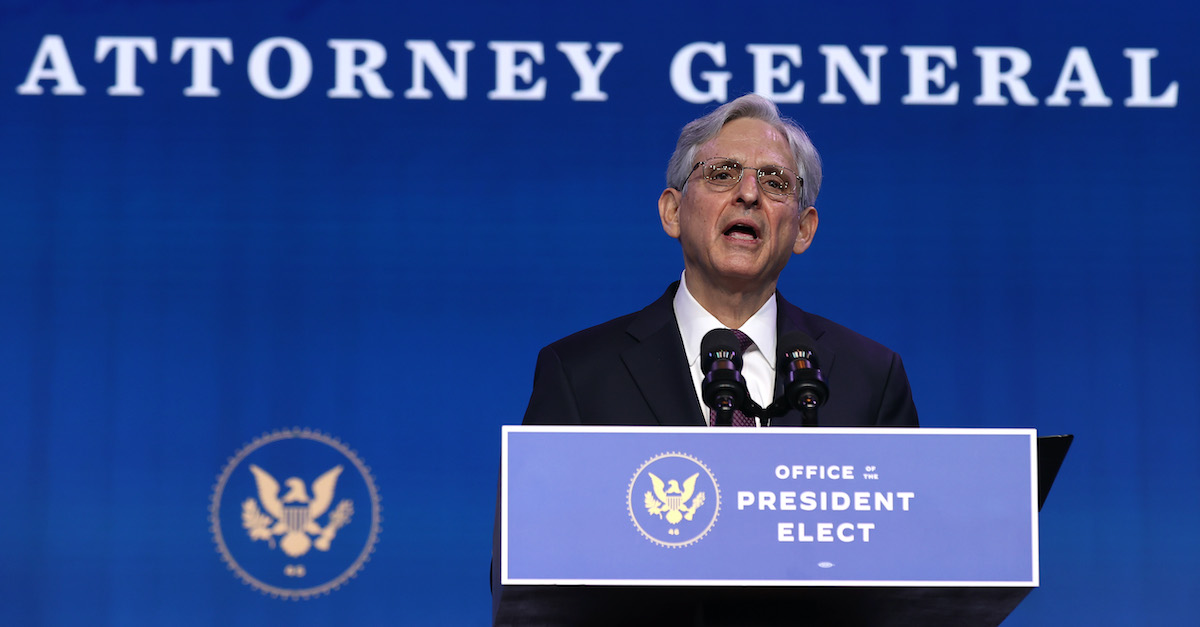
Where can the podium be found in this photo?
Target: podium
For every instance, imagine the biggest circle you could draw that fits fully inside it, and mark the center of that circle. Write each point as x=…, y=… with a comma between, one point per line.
x=781, y=526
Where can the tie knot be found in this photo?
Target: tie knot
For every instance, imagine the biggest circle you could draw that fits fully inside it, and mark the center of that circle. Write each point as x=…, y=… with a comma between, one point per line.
x=743, y=339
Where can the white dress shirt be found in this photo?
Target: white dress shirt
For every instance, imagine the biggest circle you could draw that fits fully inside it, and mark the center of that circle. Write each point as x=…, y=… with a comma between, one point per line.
x=758, y=368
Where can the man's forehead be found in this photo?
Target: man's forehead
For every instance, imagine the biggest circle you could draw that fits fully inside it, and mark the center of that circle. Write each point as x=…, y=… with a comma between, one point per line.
x=749, y=138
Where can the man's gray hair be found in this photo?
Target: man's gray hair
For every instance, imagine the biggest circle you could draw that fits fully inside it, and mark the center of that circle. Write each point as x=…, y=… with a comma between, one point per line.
x=753, y=106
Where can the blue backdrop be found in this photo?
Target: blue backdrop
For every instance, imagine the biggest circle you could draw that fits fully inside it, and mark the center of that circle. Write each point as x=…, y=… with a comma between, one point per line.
x=191, y=258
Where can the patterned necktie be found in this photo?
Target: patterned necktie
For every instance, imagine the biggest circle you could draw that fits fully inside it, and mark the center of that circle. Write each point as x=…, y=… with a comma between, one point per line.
x=739, y=419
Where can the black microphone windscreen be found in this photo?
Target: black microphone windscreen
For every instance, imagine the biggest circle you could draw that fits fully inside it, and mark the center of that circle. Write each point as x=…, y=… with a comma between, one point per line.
x=720, y=344
x=797, y=344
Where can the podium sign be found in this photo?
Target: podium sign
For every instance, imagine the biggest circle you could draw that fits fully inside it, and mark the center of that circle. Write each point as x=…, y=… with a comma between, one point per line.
x=704, y=506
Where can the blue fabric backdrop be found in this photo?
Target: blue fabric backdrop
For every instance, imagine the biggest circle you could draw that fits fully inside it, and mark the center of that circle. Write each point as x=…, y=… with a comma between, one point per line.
x=181, y=274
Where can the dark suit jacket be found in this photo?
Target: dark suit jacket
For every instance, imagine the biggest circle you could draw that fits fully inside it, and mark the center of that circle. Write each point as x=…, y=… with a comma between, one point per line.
x=633, y=371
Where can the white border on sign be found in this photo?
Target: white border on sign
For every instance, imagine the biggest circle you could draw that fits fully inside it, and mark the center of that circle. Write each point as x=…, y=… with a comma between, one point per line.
x=506, y=430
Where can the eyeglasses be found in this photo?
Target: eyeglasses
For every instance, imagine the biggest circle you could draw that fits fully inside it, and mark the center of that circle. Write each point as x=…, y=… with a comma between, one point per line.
x=724, y=173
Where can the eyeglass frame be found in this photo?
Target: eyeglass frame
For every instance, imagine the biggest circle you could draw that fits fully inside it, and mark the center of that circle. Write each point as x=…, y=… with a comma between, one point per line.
x=758, y=173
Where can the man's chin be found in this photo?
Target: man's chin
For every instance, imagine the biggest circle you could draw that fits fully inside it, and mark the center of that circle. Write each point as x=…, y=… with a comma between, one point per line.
x=738, y=278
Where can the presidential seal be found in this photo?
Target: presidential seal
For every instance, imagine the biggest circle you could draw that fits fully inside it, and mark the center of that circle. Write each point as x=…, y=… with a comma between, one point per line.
x=295, y=514
x=673, y=499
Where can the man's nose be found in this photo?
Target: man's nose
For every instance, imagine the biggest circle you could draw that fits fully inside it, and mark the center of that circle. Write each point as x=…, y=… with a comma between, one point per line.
x=748, y=190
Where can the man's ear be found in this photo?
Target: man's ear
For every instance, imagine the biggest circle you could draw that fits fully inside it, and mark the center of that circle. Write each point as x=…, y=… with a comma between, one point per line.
x=668, y=210
x=808, y=228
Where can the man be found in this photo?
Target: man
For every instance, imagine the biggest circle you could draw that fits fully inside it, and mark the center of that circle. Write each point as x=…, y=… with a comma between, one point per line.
x=741, y=188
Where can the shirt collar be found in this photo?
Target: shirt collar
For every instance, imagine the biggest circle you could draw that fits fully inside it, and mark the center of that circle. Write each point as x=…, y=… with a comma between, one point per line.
x=695, y=321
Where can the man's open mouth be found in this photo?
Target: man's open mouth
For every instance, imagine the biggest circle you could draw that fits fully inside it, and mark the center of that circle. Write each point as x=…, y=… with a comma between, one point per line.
x=742, y=231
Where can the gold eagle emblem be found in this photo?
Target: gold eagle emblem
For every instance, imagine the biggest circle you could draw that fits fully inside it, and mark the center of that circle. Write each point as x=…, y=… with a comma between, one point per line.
x=668, y=498
x=294, y=515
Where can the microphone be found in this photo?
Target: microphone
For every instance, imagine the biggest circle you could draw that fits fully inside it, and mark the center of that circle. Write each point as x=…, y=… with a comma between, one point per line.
x=804, y=386
x=723, y=388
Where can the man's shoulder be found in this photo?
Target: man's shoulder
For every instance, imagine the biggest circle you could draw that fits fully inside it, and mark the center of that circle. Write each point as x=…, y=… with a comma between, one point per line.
x=604, y=336
x=826, y=331
x=619, y=333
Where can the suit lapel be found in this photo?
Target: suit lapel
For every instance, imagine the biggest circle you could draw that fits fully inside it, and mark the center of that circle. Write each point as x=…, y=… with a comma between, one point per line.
x=792, y=318
x=659, y=365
